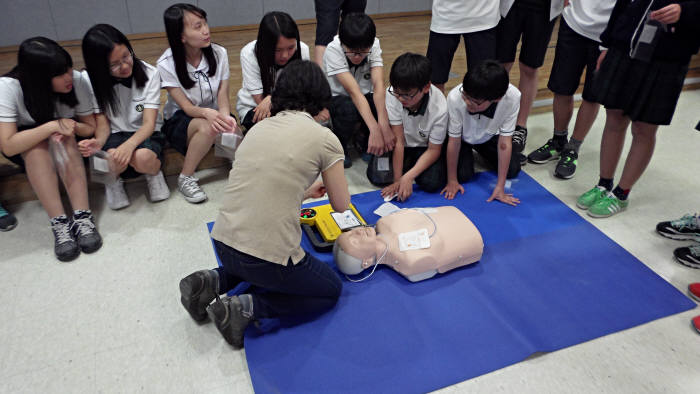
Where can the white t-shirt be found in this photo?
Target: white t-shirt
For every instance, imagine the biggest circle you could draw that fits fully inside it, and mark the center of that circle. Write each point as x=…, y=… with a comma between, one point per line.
x=420, y=129
x=252, y=81
x=554, y=8
x=205, y=91
x=335, y=62
x=13, y=110
x=588, y=17
x=132, y=101
x=464, y=16
x=477, y=129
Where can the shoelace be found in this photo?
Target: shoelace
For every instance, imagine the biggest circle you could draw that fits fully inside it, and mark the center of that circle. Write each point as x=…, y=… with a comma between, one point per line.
x=190, y=185
x=519, y=137
x=687, y=221
x=62, y=231
x=546, y=147
x=85, y=226
x=695, y=249
x=568, y=157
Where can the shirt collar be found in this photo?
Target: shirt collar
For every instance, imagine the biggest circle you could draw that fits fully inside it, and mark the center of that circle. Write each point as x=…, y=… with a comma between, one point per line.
x=422, y=106
x=123, y=81
x=488, y=112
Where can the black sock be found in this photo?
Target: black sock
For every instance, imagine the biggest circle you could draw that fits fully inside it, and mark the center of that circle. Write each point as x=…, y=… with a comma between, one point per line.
x=621, y=193
x=606, y=183
x=559, y=137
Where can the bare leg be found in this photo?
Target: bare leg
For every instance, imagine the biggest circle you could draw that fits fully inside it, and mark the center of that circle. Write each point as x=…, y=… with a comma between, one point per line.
x=639, y=156
x=199, y=141
x=528, y=89
x=587, y=113
x=43, y=178
x=563, y=110
x=145, y=161
x=74, y=178
x=612, y=141
x=121, y=169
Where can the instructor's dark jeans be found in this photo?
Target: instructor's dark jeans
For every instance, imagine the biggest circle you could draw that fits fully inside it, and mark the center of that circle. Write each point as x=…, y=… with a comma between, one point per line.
x=308, y=288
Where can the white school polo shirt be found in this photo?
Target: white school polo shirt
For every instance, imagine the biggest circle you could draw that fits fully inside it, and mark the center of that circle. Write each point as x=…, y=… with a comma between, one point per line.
x=335, y=62
x=205, y=91
x=477, y=129
x=252, y=81
x=588, y=17
x=554, y=8
x=132, y=101
x=420, y=129
x=464, y=16
x=13, y=110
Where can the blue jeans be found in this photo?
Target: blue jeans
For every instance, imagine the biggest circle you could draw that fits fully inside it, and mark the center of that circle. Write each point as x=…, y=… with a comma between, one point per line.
x=307, y=288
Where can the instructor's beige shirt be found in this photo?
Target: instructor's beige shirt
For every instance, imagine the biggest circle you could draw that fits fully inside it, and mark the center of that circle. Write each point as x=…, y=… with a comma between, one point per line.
x=276, y=162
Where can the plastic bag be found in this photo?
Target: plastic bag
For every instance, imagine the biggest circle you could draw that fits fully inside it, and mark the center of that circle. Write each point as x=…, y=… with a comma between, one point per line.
x=227, y=143
x=59, y=155
x=102, y=168
x=379, y=170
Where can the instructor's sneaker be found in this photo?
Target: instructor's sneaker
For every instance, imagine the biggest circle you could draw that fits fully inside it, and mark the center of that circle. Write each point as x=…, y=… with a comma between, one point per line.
x=519, y=139
x=227, y=314
x=607, y=206
x=65, y=247
x=8, y=221
x=157, y=187
x=197, y=291
x=190, y=189
x=687, y=227
x=85, y=232
x=549, y=151
x=688, y=256
x=566, y=167
x=590, y=197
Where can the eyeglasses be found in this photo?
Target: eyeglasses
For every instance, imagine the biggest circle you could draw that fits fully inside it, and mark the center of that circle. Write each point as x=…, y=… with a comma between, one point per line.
x=354, y=53
x=403, y=96
x=471, y=100
x=128, y=59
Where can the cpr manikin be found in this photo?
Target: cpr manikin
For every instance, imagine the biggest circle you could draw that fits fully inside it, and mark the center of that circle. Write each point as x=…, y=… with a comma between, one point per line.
x=400, y=241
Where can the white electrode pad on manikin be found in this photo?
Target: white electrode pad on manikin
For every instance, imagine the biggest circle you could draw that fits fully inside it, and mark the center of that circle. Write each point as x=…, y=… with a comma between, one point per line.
x=413, y=240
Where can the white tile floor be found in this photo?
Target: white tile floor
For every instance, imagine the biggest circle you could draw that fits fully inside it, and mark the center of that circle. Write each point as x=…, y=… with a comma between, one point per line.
x=112, y=321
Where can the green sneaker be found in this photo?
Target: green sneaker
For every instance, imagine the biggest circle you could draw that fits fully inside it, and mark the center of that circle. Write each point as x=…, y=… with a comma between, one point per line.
x=590, y=197
x=607, y=206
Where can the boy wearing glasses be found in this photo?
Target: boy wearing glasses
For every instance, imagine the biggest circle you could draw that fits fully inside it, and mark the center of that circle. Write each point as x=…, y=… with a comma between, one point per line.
x=418, y=117
x=482, y=116
x=354, y=68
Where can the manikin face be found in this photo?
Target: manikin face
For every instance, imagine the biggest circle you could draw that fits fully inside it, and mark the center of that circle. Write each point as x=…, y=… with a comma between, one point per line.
x=195, y=32
x=121, y=61
x=360, y=242
x=285, y=49
x=63, y=83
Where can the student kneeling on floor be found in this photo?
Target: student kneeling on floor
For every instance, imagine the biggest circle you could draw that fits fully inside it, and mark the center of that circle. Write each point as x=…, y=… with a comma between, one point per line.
x=257, y=232
x=482, y=114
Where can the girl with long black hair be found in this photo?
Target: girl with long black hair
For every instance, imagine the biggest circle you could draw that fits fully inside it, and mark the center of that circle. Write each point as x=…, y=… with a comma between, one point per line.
x=278, y=43
x=39, y=99
x=195, y=73
x=127, y=91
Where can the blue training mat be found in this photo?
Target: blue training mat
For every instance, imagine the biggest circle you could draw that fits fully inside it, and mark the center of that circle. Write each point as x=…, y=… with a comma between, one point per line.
x=547, y=280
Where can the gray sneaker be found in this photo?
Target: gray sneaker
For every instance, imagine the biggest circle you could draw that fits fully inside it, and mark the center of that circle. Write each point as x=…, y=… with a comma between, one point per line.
x=197, y=291
x=190, y=189
x=65, y=247
x=230, y=320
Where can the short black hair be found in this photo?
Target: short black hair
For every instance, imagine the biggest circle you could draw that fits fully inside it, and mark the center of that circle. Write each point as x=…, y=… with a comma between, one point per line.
x=357, y=31
x=302, y=86
x=488, y=81
x=410, y=71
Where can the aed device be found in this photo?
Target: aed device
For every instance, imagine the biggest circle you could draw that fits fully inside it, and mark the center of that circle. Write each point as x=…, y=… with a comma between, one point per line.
x=323, y=225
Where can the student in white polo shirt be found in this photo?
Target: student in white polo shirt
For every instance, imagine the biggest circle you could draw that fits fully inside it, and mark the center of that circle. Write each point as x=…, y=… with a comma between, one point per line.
x=195, y=73
x=475, y=20
x=355, y=71
x=578, y=48
x=127, y=91
x=44, y=78
x=482, y=113
x=262, y=60
x=418, y=116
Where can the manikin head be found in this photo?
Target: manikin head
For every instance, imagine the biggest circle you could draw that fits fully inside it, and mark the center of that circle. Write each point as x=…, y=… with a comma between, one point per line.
x=356, y=250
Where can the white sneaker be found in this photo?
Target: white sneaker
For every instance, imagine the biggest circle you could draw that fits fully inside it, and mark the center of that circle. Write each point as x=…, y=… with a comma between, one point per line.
x=157, y=188
x=190, y=189
x=116, y=195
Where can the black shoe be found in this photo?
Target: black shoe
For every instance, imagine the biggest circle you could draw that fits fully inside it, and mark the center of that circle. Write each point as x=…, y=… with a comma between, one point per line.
x=65, y=247
x=227, y=314
x=85, y=232
x=687, y=227
x=8, y=221
x=347, y=162
x=197, y=291
x=688, y=256
x=566, y=167
x=522, y=159
x=519, y=139
x=549, y=151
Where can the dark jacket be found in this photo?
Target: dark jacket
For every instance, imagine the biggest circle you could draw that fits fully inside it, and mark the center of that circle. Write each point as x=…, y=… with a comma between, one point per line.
x=677, y=46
